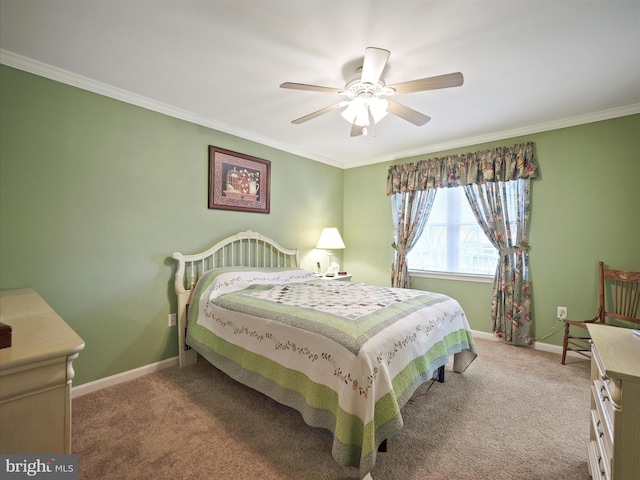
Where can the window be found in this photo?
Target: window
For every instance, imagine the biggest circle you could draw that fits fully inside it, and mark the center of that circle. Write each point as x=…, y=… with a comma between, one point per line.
x=452, y=241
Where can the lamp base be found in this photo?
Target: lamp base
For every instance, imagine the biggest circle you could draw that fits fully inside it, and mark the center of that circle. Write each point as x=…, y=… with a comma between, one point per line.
x=332, y=269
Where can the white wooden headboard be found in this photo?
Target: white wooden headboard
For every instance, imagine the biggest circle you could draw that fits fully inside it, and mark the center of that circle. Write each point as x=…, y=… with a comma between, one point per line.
x=246, y=249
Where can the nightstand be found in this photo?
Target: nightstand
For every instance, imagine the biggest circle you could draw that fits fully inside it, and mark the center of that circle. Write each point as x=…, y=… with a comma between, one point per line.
x=344, y=278
x=36, y=374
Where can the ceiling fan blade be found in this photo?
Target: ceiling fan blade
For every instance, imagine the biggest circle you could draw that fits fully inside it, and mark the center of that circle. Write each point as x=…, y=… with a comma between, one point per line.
x=375, y=60
x=313, y=115
x=312, y=88
x=430, y=83
x=406, y=113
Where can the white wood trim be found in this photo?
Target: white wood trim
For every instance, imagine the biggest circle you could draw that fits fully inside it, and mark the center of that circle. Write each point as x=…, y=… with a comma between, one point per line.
x=173, y=361
x=122, y=377
x=69, y=78
x=544, y=347
x=517, y=132
x=457, y=277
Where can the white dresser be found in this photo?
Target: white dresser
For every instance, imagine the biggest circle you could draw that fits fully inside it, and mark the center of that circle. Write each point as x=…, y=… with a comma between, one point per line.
x=614, y=447
x=35, y=376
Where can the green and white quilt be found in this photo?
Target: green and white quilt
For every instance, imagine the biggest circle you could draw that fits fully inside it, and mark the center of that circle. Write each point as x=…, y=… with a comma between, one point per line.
x=347, y=356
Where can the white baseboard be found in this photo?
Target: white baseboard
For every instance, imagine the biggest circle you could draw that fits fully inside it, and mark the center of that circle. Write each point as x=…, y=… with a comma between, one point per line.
x=545, y=347
x=484, y=335
x=122, y=377
x=172, y=362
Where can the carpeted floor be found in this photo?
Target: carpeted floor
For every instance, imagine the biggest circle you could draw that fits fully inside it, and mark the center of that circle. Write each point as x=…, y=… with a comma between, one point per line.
x=514, y=414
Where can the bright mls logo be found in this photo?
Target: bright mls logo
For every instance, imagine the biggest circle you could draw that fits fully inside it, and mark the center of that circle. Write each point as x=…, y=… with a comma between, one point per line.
x=50, y=467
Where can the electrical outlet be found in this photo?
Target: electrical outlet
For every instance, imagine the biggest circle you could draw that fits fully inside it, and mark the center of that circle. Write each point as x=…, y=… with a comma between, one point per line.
x=172, y=320
x=562, y=313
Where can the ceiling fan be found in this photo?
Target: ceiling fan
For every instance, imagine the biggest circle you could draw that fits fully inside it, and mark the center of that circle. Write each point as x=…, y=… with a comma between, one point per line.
x=366, y=92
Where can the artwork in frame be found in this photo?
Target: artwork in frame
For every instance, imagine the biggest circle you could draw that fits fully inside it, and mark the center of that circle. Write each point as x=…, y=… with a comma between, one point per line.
x=238, y=181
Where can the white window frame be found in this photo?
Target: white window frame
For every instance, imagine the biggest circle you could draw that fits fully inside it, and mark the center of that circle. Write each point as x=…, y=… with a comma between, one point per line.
x=456, y=276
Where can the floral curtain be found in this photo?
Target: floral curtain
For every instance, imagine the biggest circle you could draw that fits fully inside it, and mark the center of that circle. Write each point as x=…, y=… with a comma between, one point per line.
x=511, y=305
x=483, y=173
x=496, y=165
x=410, y=212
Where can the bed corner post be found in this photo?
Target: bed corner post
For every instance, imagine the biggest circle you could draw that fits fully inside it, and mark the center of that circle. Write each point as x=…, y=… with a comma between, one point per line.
x=186, y=356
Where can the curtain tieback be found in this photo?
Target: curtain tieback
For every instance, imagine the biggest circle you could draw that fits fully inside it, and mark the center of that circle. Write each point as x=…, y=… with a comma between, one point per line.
x=398, y=248
x=523, y=247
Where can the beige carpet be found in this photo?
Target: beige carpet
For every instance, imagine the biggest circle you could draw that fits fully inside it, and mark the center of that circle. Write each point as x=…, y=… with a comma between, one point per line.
x=514, y=414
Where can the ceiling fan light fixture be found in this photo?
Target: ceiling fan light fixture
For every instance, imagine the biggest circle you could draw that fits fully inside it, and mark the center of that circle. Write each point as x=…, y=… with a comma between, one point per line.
x=365, y=106
x=378, y=108
x=359, y=108
x=353, y=112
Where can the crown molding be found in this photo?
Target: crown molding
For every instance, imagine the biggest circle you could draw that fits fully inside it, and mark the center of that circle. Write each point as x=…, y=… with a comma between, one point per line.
x=516, y=132
x=29, y=65
x=63, y=76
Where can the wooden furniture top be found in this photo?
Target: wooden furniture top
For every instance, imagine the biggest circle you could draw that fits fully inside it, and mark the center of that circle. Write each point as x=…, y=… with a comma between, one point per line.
x=619, y=350
x=38, y=333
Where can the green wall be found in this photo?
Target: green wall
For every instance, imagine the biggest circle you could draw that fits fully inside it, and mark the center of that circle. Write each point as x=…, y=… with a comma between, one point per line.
x=584, y=208
x=95, y=196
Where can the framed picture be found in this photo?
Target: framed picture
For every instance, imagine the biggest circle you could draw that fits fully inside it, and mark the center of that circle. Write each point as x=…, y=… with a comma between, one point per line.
x=238, y=182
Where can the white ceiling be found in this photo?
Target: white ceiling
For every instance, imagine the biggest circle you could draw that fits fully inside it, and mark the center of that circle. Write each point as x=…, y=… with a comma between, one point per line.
x=528, y=65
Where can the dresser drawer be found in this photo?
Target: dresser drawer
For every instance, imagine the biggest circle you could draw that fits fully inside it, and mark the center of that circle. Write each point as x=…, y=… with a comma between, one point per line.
x=596, y=467
x=604, y=405
x=608, y=387
x=33, y=378
x=602, y=445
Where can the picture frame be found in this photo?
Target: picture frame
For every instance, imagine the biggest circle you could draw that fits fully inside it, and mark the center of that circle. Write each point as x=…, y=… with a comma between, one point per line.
x=238, y=181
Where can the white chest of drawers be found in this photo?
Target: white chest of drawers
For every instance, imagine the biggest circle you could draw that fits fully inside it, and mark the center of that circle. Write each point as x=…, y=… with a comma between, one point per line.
x=614, y=447
x=35, y=376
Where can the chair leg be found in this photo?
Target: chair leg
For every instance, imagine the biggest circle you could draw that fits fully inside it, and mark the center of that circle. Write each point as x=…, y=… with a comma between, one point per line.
x=565, y=342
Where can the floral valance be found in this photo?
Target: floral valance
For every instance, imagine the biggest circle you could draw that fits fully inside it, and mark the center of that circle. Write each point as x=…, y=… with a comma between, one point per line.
x=496, y=165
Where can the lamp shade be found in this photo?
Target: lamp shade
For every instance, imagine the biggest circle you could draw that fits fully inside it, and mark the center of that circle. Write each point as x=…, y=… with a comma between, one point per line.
x=358, y=110
x=330, y=239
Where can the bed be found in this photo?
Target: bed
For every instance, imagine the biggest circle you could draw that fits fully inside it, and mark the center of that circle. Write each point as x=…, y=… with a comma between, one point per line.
x=347, y=356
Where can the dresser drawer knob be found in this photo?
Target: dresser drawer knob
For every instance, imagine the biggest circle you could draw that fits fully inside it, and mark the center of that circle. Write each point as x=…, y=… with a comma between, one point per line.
x=603, y=394
x=602, y=472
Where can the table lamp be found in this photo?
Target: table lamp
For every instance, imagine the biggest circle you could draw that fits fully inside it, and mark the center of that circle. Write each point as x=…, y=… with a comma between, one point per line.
x=329, y=240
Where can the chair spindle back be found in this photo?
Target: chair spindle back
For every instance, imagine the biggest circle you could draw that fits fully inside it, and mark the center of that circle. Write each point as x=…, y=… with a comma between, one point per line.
x=622, y=291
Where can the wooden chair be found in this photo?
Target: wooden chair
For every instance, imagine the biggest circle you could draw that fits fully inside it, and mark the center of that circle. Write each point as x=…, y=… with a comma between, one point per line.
x=619, y=301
